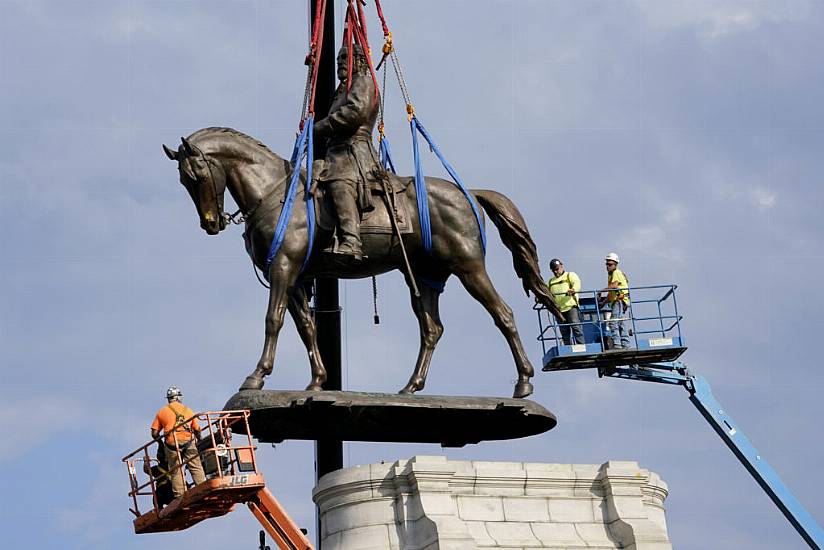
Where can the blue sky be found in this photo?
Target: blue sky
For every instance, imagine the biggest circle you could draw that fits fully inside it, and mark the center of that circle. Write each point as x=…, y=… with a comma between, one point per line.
x=684, y=135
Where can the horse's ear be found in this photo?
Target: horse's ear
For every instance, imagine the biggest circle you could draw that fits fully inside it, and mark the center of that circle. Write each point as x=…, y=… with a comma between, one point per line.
x=171, y=153
x=187, y=147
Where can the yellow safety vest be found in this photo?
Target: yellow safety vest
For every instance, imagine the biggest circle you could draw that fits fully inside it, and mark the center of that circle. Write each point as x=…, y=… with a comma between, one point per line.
x=558, y=287
x=619, y=280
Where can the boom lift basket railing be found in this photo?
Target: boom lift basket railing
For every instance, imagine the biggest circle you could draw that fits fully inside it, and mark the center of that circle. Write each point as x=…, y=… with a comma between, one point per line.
x=231, y=476
x=652, y=319
x=219, y=455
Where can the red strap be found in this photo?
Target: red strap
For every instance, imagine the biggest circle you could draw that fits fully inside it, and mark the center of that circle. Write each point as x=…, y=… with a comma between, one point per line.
x=317, y=28
x=362, y=21
x=314, y=48
x=347, y=39
x=383, y=20
x=355, y=32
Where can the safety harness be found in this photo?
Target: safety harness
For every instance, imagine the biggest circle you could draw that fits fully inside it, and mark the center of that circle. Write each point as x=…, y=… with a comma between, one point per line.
x=180, y=425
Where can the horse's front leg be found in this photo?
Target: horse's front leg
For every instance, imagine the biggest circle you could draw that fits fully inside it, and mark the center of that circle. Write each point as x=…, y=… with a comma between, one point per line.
x=299, y=309
x=281, y=278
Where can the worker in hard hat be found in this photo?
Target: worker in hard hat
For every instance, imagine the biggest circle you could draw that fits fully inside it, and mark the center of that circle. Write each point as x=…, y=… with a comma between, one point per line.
x=617, y=300
x=180, y=436
x=564, y=287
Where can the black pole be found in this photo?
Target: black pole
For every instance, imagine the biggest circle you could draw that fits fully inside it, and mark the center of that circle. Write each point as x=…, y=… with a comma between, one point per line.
x=328, y=453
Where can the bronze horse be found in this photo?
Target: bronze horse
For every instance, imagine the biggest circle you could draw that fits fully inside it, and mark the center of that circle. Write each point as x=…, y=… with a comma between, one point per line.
x=212, y=160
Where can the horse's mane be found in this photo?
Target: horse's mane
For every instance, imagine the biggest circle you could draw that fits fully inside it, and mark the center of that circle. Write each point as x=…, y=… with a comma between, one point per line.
x=207, y=132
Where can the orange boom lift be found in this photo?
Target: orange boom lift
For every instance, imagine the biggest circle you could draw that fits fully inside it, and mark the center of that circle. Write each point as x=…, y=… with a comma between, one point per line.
x=232, y=478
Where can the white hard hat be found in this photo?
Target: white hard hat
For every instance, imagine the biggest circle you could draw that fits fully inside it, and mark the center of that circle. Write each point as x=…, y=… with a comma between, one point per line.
x=613, y=257
x=173, y=393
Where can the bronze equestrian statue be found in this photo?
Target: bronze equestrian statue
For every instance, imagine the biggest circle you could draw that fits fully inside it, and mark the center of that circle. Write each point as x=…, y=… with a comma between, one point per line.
x=212, y=160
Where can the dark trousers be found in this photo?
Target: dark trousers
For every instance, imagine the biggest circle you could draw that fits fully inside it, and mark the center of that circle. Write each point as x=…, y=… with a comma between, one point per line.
x=345, y=197
x=572, y=317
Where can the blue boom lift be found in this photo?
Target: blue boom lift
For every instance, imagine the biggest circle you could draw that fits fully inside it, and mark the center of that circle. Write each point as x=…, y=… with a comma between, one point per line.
x=657, y=343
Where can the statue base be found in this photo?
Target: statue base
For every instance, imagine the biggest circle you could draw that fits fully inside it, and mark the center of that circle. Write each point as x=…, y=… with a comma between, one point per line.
x=430, y=502
x=357, y=416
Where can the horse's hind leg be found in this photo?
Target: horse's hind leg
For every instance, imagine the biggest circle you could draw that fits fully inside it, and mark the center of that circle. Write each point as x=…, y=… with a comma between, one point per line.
x=431, y=328
x=477, y=283
x=299, y=309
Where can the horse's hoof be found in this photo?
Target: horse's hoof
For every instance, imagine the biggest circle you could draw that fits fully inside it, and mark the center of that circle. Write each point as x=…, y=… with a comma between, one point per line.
x=252, y=383
x=522, y=389
x=411, y=388
x=314, y=387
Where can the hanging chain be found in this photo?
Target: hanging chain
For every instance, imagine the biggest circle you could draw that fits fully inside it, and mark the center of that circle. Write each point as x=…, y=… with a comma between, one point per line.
x=382, y=108
x=376, y=318
x=307, y=93
x=410, y=110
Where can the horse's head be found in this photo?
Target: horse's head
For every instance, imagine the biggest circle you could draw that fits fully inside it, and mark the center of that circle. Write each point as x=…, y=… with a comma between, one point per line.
x=205, y=180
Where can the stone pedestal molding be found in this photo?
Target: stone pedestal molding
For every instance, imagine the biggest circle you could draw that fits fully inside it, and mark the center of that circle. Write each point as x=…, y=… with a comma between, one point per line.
x=431, y=503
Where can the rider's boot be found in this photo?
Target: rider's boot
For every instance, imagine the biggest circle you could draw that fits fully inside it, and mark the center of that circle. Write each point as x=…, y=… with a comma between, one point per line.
x=343, y=194
x=350, y=247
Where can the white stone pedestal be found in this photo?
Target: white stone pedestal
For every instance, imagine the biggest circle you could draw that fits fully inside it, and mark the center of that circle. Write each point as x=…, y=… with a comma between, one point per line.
x=431, y=503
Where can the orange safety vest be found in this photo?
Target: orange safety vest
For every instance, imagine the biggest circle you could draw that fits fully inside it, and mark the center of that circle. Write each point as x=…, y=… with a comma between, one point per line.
x=172, y=420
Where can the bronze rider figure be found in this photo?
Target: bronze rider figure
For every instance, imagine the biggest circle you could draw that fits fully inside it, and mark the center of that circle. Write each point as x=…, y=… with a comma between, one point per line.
x=350, y=159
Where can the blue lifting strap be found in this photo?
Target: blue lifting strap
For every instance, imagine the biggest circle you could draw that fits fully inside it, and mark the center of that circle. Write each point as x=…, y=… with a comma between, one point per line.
x=386, y=155
x=307, y=191
x=303, y=149
x=420, y=186
x=386, y=162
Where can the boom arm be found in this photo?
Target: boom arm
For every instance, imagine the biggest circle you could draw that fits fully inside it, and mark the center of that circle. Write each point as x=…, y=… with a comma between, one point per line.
x=703, y=399
x=277, y=522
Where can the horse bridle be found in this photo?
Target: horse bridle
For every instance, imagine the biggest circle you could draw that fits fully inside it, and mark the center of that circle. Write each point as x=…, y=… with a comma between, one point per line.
x=239, y=216
x=225, y=215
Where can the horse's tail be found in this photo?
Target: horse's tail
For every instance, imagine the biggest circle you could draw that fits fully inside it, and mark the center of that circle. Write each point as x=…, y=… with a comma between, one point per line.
x=515, y=236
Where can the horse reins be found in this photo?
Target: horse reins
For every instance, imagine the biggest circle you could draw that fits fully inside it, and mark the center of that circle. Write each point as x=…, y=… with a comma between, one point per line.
x=240, y=217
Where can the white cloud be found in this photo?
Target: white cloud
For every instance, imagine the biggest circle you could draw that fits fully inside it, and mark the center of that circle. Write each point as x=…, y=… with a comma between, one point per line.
x=758, y=197
x=714, y=19
x=727, y=187
x=764, y=199
x=48, y=415
x=97, y=518
x=43, y=416
x=658, y=235
x=673, y=214
x=586, y=392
